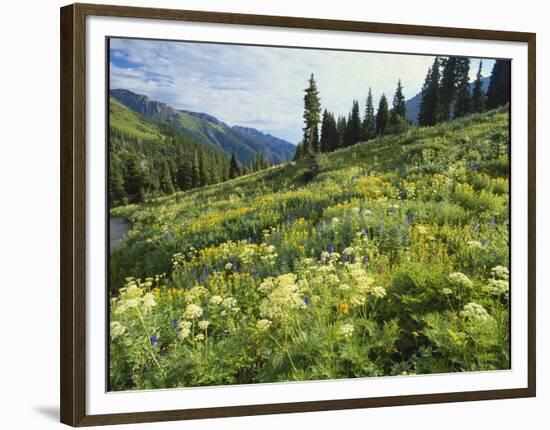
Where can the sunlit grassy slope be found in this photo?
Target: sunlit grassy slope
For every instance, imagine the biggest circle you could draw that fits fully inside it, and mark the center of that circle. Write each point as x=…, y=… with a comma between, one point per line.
x=392, y=260
x=472, y=150
x=131, y=123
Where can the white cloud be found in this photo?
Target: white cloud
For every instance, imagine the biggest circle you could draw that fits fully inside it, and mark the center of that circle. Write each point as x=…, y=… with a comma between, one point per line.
x=258, y=86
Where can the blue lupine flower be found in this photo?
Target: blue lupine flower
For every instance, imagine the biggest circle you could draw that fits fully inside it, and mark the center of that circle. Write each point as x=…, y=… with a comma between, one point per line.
x=235, y=262
x=154, y=340
x=345, y=257
x=206, y=272
x=307, y=300
x=218, y=270
x=330, y=249
x=175, y=323
x=353, y=259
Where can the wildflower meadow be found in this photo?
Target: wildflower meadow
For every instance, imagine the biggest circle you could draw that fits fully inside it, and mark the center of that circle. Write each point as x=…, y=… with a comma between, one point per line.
x=386, y=258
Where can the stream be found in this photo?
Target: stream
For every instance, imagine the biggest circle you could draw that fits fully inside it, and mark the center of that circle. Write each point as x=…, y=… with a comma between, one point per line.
x=118, y=228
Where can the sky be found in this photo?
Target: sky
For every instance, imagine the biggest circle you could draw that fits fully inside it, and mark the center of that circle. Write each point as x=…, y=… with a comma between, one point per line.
x=262, y=87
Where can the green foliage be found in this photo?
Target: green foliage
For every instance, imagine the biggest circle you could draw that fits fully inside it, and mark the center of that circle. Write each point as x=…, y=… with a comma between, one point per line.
x=166, y=185
x=398, y=111
x=148, y=159
x=329, y=140
x=427, y=114
x=447, y=88
x=390, y=259
x=234, y=170
x=382, y=116
x=136, y=180
x=478, y=95
x=352, y=134
x=462, y=105
x=368, y=129
x=312, y=111
x=498, y=93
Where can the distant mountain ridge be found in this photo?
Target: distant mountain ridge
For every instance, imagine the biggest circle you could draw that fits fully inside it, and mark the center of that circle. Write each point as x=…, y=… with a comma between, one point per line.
x=204, y=128
x=412, y=105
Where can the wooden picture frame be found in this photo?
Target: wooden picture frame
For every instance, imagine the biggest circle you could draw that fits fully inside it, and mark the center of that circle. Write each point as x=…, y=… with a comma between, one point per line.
x=73, y=212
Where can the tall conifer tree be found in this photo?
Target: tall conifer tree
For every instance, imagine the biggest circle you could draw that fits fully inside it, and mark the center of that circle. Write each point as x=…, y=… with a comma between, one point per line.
x=382, y=116
x=462, y=99
x=341, y=126
x=352, y=134
x=329, y=133
x=234, y=170
x=498, y=93
x=447, y=89
x=478, y=95
x=369, y=121
x=166, y=184
x=312, y=111
x=429, y=100
x=136, y=180
x=398, y=113
x=195, y=171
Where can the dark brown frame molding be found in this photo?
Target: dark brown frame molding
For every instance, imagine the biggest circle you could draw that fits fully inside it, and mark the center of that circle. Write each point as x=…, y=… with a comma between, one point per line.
x=73, y=213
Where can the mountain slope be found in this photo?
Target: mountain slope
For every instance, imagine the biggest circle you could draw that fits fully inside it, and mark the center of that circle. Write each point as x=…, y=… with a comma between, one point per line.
x=412, y=105
x=156, y=146
x=209, y=130
x=417, y=154
x=397, y=248
x=273, y=144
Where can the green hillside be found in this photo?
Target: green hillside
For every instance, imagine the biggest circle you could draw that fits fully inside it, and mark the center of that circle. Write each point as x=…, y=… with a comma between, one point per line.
x=149, y=158
x=388, y=258
x=128, y=121
x=208, y=130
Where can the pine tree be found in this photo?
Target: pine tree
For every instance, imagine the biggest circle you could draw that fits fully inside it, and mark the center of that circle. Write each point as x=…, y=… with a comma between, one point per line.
x=299, y=151
x=398, y=112
x=447, y=89
x=203, y=170
x=478, y=95
x=324, y=144
x=462, y=100
x=429, y=100
x=369, y=121
x=213, y=164
x=352, y=134
x=312, y=111
x=234, y=170
x=333, y=137
x=136, y=180
x=259, y=162
x=382, y=116
x=195, y=172
x=329, y=133
x=116, y=187
x=166, y=184
x=341, y=126
x=184, y=179
x=498, y=93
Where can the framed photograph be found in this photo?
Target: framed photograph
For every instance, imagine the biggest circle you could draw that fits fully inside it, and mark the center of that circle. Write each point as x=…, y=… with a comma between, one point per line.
x=266, y=214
